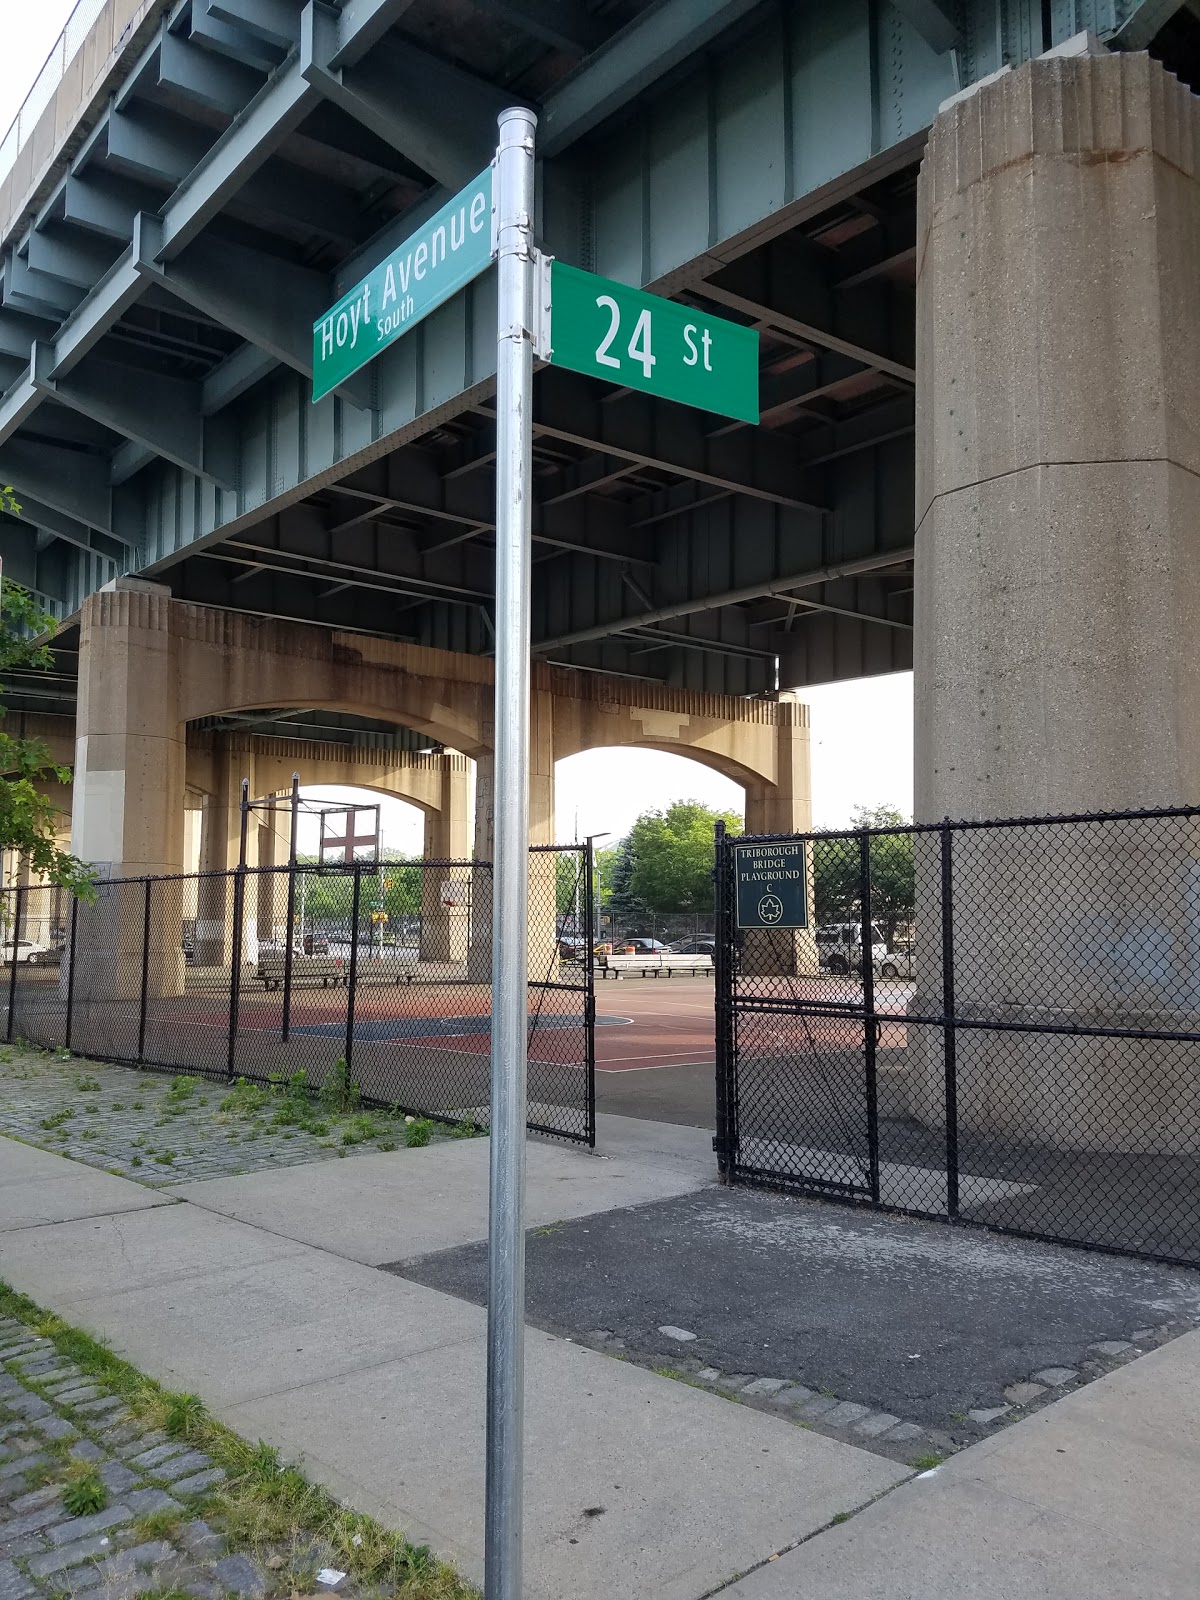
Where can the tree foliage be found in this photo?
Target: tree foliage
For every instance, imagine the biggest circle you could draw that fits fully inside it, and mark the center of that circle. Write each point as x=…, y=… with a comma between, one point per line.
x=671, y=853
x=29, y=820
x=837, y=873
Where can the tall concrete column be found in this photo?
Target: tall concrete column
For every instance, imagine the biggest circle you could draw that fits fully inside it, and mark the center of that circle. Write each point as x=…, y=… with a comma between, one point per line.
x=1058, y=564
x=784, y=806
x=445, y=929
x=128, y=799
x=130, y=755
x=220, y=844
x=542, y=867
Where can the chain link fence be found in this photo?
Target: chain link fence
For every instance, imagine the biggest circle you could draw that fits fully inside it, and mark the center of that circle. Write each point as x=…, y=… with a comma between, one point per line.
x=995, y=1023
x=268, y=972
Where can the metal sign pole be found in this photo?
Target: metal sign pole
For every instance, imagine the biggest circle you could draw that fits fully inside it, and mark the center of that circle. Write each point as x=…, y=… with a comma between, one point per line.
x=510, y=959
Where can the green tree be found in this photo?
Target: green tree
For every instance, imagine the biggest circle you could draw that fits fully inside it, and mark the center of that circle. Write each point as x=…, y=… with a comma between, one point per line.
x=29, y=820
x=616, y=887
x=672, y=853
x=837, y=873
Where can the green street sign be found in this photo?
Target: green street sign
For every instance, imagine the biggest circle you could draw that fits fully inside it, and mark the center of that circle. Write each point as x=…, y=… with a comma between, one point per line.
x=453, y=247
x=771, y=881
x=608, y=330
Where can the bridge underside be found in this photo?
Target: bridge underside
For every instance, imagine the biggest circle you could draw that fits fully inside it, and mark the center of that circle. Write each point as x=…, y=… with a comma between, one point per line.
x=239, y=163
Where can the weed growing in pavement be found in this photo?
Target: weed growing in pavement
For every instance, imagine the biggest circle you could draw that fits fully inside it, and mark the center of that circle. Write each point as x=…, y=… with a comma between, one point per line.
x=85, y=1492
x=927, y=1463
x=57, y=1118
x=158, y=1525
x=466, y=1129
x=417, y=1132
x=244, y=1099
x=339, y=1092
x=117, y=1105
x=92, y=1106
x=165, y=1158
x=182, y=1087
x=361, y=1127
x=183, y=1415
x=135, y=1161
x=262, y=1502
x=85, y=1083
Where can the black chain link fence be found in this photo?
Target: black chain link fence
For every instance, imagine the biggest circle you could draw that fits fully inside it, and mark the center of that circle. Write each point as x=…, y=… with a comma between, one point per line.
x=995, y=1023
x=272, y=971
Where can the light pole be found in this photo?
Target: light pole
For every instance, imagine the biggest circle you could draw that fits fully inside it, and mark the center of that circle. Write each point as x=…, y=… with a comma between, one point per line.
x=591, y=838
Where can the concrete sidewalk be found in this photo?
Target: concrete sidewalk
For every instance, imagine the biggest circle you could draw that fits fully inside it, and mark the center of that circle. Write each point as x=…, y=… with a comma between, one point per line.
x=636, y=1485
x=1094, y=1497
x=257, y=1293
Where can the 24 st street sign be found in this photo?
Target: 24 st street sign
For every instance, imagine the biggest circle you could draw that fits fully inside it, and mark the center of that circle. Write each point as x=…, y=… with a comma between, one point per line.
x=642, y=341
x=453, y=247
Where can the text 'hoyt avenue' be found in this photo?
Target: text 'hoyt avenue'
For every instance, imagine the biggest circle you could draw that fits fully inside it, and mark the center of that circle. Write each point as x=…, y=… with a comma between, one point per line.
x=432, y=264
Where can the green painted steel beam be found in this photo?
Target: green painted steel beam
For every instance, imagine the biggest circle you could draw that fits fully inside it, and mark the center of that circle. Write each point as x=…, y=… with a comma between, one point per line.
x=937, y=21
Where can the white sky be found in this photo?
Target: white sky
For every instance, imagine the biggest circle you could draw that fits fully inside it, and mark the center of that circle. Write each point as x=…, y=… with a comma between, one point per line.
x=27, y=35
x=861, y=731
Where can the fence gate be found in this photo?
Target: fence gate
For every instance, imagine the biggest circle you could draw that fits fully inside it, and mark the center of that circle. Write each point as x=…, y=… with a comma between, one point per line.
x=797, y=1077
x=995, y=1023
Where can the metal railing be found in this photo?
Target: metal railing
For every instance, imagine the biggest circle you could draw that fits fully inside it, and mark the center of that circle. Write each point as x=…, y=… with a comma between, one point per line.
x=66, y=46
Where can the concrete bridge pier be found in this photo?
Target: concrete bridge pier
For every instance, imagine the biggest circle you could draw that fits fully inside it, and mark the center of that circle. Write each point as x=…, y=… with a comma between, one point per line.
x=1058, y=582
x=129, y=781
x=446, y=929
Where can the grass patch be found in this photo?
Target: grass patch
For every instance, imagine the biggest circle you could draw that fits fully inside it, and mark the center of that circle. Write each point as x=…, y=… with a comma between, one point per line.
x=264, y=1502
x=158, y=1525
x=927, y=1463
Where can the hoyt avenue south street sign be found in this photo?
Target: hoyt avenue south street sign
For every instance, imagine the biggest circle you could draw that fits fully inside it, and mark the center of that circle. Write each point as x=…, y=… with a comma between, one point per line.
x=597, y=326
x=453, y=247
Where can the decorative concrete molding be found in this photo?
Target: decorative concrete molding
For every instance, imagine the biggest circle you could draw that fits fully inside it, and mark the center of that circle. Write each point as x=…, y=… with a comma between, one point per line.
x=1073, y=107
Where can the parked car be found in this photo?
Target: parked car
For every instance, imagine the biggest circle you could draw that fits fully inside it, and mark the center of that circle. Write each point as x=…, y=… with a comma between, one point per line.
x=699, y=944
x=638, y=947
x=28, y=951
x=839, y=946
x=571, y=949
x=897, y=964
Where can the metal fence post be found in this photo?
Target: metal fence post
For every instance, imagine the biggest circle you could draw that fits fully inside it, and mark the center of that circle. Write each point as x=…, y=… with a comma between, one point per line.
x=352, y=975
x=516, y=272
x=18, y=921
x=291, y=906
x=867, y=948
x=145, y=974
x=726, y=1112
x=589, y=972
x=949, y=1038
x=71, y=948
x=235, y=943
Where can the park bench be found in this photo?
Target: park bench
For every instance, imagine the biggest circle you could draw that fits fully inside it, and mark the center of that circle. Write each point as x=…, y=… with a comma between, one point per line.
x=324, y=969
x=660, y=964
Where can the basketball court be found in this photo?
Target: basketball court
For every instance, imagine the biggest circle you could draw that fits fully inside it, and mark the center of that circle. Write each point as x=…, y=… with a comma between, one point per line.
x=655, y=1049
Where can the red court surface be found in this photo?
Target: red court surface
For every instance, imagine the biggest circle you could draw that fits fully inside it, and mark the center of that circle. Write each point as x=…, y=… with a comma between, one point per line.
x=666, y=1022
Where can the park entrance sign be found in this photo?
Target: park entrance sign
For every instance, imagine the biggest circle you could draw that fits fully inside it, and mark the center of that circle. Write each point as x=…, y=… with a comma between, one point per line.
x=441, y=258
x=771, y=881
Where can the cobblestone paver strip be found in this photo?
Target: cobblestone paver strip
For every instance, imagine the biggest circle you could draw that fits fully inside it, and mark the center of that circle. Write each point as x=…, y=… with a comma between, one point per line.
x=152, y=1537
x=162, y=1130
